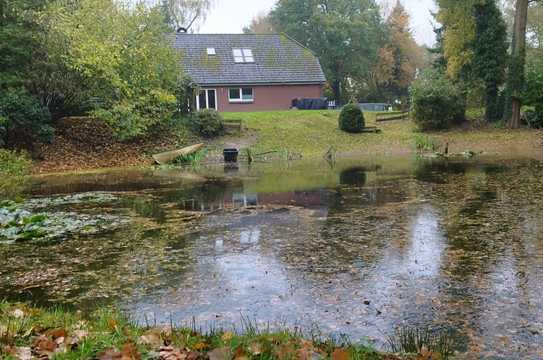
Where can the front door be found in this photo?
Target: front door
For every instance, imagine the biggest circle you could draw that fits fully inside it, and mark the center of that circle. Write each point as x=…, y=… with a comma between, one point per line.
x=206, y=99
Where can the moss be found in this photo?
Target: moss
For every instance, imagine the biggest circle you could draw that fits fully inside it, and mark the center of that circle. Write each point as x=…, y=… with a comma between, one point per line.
x=210, y=62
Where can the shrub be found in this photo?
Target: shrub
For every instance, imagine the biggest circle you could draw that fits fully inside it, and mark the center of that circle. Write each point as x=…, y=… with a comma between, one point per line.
x=435, y=101
x=22, y=116
x=14, y=168
x=132, y=119
x=533, y=93
x=208, y=123
x=351, y=119
x=534, y=118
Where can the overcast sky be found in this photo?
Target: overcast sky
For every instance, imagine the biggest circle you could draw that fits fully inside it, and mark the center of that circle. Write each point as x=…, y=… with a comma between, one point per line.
x=230, y=16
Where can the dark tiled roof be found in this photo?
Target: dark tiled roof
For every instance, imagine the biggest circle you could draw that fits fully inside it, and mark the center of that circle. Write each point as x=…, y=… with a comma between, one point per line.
x=278, y=59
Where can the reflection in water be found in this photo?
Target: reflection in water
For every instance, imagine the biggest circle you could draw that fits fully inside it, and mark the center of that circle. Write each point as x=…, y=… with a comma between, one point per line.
x=359, y=249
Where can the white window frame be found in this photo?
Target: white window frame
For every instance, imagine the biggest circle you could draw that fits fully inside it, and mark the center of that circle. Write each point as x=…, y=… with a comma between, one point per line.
x=243, y=56
x=211, y=51
x=207, y=99
x=241, y=99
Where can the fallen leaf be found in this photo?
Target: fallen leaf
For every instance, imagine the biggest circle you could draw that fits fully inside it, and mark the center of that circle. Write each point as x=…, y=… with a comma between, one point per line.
x=219, y=354
x=109, y=354
x=240, y=354
x=130, y=352
x=170, y=353
x=152, y=338
x=112, y=324
x=285, y=352
x=45, y=345
x=200, y=346
x=255, y=348
x=340, y=354
x=227, y=336
x=56, y=333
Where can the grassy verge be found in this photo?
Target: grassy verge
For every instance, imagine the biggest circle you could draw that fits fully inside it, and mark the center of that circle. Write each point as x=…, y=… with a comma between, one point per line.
x=14, y=167
x=312, y=133
x=27, y=332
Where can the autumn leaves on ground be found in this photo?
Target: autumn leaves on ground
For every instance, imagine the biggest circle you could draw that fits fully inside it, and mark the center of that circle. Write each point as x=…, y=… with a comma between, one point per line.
x=83, y=143
x=28, y=333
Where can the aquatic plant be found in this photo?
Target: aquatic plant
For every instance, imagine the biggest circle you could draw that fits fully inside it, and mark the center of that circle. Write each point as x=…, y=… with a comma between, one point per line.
x=423, y=341
x=194, y=159
x=20, y=221
x=425, y=143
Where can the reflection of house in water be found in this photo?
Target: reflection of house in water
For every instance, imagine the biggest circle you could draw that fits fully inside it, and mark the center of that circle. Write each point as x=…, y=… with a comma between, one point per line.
x=237, y=198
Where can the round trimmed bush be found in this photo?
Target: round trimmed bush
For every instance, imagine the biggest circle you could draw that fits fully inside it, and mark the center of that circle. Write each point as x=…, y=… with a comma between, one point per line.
x=351, y=119
x=208, y=123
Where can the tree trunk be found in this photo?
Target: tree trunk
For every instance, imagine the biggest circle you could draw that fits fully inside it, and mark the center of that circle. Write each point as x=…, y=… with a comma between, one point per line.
x=491, y=108
x=518, y=60
x=336, y=89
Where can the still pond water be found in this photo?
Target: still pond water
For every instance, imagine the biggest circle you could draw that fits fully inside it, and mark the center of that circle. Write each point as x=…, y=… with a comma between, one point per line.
x=358, y=248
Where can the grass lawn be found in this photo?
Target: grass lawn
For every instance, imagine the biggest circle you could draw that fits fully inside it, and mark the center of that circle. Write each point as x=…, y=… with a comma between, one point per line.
x=27, y=333
x=312, y=133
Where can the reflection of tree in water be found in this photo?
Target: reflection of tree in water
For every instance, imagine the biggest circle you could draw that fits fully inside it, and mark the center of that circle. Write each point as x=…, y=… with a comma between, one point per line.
x=491, y=255
x=437, y=171
x=353, y=176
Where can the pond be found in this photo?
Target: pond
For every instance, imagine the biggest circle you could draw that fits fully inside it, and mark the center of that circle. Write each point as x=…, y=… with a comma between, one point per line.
x=359, y=247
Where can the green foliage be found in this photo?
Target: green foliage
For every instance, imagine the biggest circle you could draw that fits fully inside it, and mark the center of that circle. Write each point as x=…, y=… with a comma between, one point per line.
x=533, y=93
x=436, y=102
x=351, y=119
x=458, y=30
x=14, y=168
x=490, y=53
x=415, y=340
x=127, y=68
x=208, y=123
x=22, y=117
x=194, y=159
x=131, y=119
x=345, y=35
x=425, y=143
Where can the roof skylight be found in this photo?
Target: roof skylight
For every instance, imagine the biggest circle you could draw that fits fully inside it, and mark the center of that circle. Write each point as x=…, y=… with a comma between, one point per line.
x=243, y=56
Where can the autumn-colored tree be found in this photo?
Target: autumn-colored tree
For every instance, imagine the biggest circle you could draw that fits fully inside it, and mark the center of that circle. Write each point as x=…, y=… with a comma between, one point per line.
x=400, y=58
x=260, y=24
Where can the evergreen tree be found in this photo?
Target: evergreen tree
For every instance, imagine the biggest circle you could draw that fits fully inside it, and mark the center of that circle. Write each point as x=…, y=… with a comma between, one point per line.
x=490, y=53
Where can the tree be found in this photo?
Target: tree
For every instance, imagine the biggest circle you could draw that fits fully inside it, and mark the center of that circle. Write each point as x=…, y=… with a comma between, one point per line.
x=183, y=13
x=260, y=24
x=401, y=56
x=344, y=34
x=127, y=68
x=22, y=116
x=456, y=17
x=516, y=71
x=490, y=53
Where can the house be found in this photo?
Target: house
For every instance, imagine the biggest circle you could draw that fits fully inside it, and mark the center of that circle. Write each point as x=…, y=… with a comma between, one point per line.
x=249, y=72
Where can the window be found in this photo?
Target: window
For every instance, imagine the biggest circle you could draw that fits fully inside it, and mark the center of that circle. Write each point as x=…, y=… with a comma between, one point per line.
x=241, y=95
x=206, y=99
x=211, y=51
x=243, y=56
